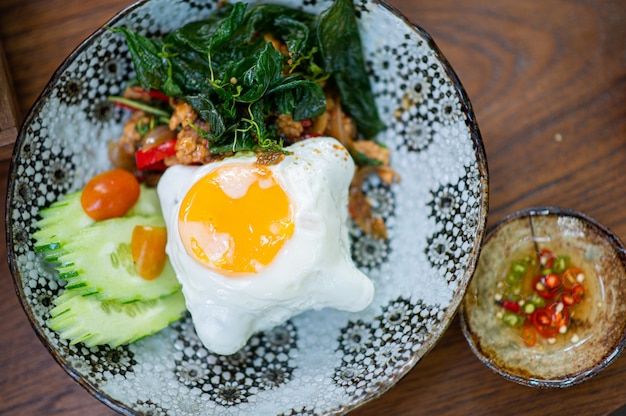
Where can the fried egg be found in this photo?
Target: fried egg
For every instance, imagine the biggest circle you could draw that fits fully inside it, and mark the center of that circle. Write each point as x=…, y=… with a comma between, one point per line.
x=254, y=245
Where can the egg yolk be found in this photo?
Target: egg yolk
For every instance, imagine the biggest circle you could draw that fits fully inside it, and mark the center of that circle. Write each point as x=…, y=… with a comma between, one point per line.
x=235, y=219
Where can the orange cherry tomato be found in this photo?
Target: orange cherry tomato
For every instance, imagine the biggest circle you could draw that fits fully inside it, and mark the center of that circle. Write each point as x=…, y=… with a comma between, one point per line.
x=148, y=250
x=110, y=194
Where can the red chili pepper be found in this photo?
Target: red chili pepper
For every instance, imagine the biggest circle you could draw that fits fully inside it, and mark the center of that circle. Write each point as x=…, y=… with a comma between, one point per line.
x=152, y=159
x=570, y=277
x=560, y=314
x=510, y=305
x=124, y=106
x=529, y=336
x=546, y=258
x=540, y=286
x=567, y=298
x=577, y=292
x=159, y=95
x=306, y=122
x=152, y=94
x=552, y=281
x=544, y=322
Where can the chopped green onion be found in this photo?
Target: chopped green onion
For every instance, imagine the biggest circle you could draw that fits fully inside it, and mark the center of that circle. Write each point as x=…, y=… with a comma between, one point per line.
x=537, y=300
x=512, y=279
x=561, y=264
x=518, y=268
x=512, y=319
x=529, y=308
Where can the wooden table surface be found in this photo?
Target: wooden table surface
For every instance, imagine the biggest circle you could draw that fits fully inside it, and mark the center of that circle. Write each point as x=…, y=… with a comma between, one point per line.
x=547, y=79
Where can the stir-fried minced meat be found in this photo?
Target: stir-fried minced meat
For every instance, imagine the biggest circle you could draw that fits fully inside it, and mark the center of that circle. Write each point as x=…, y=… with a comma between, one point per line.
x=288, y=127
x=130, y=140
x=359, y=206
x=182, y=115
x=191, y=147
x=190, y=151
x=340, y=125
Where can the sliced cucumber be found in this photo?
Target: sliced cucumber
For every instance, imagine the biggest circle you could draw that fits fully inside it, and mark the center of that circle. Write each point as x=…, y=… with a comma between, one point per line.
x=98, y=261
x=59, y=222
x=86, y=319
x=64, y=218
x=147, y=205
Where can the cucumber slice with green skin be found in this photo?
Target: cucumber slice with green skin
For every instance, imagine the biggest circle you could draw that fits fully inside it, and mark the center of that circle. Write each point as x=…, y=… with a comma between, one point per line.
x=98, y=261
x=147, y=205
x=64, y=218
x=87, y=320
x=59, y=222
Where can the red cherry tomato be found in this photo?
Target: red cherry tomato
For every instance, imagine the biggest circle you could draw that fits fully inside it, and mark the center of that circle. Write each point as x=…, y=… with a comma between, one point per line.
x=110, y=194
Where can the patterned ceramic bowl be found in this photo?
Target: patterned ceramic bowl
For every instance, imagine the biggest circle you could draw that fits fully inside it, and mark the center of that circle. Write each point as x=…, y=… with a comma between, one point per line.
x=324, y=362
x=595, y=323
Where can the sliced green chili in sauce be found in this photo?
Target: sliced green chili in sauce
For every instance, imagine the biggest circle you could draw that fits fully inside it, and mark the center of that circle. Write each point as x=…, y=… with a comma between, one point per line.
x=537, y=296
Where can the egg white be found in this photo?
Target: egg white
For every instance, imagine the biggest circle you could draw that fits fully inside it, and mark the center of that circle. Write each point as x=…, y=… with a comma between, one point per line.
x=313, y=270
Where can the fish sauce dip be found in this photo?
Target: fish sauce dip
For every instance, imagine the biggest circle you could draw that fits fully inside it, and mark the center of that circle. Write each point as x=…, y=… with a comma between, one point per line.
x=546, y=299
x=253, y=245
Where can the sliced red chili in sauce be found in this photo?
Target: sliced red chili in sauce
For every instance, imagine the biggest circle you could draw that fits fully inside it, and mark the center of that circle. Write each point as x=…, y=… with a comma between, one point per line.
x=540, y=290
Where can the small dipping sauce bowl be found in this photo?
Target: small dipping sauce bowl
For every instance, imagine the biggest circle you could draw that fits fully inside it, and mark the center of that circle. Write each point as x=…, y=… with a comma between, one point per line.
x=507, y=323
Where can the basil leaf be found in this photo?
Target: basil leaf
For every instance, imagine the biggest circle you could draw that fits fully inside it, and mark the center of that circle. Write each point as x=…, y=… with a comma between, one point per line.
x=301, y=98
x=226, y=70
x=227, y=27
x=265, y=71
x=294, y=32
x=208, y=111
x=198, y=35
x=189, y=71
x=259, y=130
x=151, y=68
x=340, y=45
x=263, y=18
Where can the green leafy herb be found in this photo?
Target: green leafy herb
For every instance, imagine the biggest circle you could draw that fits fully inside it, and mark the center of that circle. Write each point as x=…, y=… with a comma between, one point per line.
x=342, y=52
x=239, y=82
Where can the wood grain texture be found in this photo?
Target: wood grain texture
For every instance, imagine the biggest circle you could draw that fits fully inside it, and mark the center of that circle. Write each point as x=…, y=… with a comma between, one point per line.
x=547, y=79
x=9, y=118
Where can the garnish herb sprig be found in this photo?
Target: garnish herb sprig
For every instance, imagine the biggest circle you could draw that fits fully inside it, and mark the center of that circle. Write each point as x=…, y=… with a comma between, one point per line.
x=238, y=82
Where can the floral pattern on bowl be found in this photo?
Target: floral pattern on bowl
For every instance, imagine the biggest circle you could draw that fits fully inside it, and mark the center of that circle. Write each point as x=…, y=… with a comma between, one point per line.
x=324, y=362
x=595, y=336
